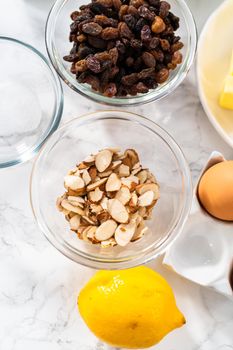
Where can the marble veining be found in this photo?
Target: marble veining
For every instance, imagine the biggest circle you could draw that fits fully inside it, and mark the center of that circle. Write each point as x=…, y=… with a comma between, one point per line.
x=38, y=286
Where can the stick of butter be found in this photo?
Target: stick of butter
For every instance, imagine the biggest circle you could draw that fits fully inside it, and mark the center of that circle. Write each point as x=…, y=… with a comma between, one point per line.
x=231, y=66
x=226, y=97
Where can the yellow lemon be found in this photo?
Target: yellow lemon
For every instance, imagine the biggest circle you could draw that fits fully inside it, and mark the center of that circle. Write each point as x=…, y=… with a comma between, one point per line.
x=132, y=308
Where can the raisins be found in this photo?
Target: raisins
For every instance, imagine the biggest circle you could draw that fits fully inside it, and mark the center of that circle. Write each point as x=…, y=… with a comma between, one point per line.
x=146, y=13
x=130, y=21
x=110, y=90
x=93, y=64
x=120, y=47
x=129, y=61
x=162, y=75
x=123, y=47
x=92, y=28
x=130, y=79
x=139, y=25
x=136, y=44
x=164, y=44
x=97, y=43
x=146, y=33
x=109, y=33
x=145, y=73
x=84, y=51
x=148, y=59
x=142, y=88
x=113, y=55
x=164, y=9
x=124, y=31
x=154, y=42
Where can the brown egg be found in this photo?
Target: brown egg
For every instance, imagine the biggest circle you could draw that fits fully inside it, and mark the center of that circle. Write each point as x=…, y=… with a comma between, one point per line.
x=215, y=190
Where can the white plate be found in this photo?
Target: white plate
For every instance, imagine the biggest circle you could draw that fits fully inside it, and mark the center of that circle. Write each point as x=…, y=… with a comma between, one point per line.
x=213, y=60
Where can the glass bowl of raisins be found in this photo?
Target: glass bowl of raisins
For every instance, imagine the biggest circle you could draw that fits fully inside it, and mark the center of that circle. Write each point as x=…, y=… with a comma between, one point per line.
x=121, y=52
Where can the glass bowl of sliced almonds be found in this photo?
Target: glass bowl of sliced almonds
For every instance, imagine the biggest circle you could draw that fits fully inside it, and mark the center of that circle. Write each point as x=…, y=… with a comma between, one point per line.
x=111, y=190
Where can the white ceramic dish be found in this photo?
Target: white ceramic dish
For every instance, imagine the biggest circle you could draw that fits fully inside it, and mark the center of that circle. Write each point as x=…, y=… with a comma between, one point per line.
x=213, y=60
x=203, y=253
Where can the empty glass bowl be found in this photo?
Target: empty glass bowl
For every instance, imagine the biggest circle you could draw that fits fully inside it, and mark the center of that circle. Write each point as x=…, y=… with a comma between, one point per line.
x=58, y=45
x=31, y=101
x=82, y=136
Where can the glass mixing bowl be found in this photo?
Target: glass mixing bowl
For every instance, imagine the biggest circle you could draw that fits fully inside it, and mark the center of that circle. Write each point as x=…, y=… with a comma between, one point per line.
x=31, y=101
x=58, y=45
x=82, y=136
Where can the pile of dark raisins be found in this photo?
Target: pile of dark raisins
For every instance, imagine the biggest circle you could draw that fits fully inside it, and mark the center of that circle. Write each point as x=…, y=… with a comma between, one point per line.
x=124, y=47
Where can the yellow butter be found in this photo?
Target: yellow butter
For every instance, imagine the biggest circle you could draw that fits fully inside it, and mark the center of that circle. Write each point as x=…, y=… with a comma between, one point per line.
x=226, y=97
x=231, y=66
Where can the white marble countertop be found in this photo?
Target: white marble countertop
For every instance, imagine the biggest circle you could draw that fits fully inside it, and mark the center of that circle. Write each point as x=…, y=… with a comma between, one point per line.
x=38, y=286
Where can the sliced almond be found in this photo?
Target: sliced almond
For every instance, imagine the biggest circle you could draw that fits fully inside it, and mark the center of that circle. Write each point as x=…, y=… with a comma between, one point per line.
x=83, y=166
x=118, y=156
x=115, y=164
x=78, y=172
x=146, y=199
x=108, y=243
x=103, y=216
x=113, y=184
x=81, y=229
x=123, y=170
x=75, y=222
x=86, y=177
x=151, y=177
x=89, y=159
x=70, y=215
x=105, y=173
x=76, y=204
x=86, y=219
x=142, y=175
x=106, y=230
x=134, y=200
x=74, y=171
x=88, y=234
x=96, y=208
x=98, y=183
x=131, y=182
x=96, y=195
x=136, y=166
x=141, y=189
x=110, y=195
x=76, y=193
x=74, y=182
x=58, y=203
x=66, y=205
x=124, y=233
x=92, y=172
x=103, y=160
x=117, y=211
x=140, y=231
x=132, y=209
x=136, y=170
x=123, y=195
x=142, y=212
x=76, y=199
x=104, y=203
x=136, y=217
x=131, y=158
x=65, y=212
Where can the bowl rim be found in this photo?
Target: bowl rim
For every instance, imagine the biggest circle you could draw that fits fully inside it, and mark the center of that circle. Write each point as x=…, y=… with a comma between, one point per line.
x=152, y=95
x=139, y=258
x=204, y=101
x=59, y=104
